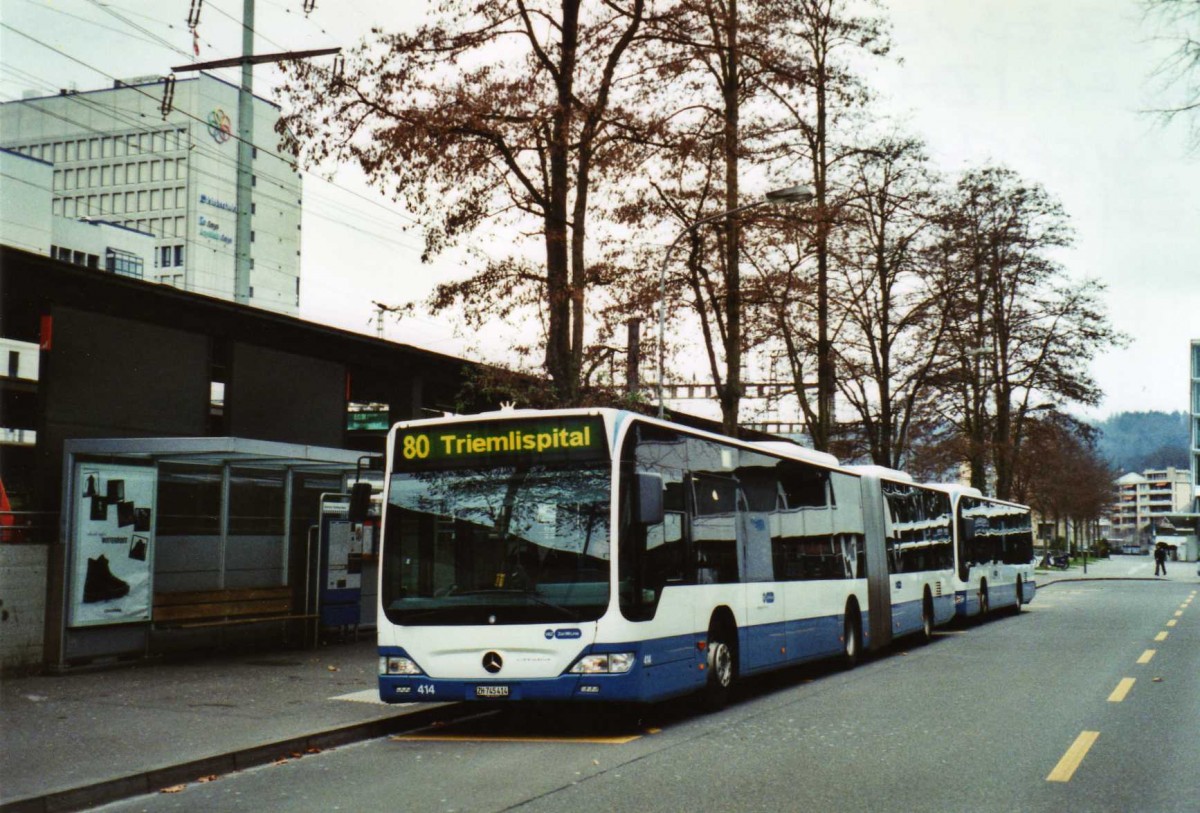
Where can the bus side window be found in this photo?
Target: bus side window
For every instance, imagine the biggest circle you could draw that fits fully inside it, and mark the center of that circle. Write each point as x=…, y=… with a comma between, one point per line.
x=714, y=523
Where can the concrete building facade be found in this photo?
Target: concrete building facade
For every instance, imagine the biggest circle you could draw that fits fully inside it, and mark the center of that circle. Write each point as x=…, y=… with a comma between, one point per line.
x=115, y=155
x=26, y=222
x=1144, y=499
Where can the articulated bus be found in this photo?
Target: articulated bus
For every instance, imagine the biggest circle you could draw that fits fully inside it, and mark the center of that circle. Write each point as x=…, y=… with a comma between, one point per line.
x=600, y=555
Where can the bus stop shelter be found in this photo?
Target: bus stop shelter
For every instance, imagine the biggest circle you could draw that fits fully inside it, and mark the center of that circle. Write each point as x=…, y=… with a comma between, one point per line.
x=183, y=544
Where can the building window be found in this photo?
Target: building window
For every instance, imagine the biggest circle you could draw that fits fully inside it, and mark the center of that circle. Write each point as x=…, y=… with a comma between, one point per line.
x=14, y=363
x=179, y=255
x=123, y=263
x=165, y=253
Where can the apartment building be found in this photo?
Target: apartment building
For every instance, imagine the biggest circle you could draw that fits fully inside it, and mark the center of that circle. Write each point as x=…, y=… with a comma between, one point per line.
x=122, y=156
x=1146, y=498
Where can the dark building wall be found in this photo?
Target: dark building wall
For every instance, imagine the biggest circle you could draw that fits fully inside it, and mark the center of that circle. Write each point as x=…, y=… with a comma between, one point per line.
x=274, y=395
x=129, y=358
x=116, y=375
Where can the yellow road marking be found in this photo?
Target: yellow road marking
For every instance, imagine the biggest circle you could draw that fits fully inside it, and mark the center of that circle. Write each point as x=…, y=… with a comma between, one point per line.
x=1147, y=656
x=1070, y=761
x=1162, y=636
x=487, y=738
x=1178, y=613
x=1122, y=690
x=1172, y=622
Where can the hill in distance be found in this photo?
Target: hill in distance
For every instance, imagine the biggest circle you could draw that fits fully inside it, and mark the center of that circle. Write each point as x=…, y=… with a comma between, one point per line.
x=1136, y=441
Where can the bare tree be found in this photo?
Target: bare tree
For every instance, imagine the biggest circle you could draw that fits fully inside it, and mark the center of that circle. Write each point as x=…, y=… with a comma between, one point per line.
x=827, y=34
x=1060, y=472
x=1022, y=331
x=466, y=140
x=1179, y=23
x=894, y=328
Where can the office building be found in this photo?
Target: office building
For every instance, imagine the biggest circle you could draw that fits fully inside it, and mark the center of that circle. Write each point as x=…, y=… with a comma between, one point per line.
x=122, y=156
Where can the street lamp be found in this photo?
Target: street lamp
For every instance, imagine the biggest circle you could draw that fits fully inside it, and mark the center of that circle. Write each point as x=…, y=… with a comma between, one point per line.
x=789, y=194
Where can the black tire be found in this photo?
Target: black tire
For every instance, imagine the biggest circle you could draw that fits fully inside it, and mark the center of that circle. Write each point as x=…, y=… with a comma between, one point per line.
x=927, y=618
x=722, y=669
x=851, y=638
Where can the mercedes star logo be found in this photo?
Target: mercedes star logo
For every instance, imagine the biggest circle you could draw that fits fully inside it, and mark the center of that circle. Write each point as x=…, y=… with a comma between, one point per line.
x=493, y=662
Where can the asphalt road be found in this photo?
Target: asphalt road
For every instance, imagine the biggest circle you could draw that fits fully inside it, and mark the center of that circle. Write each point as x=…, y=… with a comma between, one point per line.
x=1049, y=710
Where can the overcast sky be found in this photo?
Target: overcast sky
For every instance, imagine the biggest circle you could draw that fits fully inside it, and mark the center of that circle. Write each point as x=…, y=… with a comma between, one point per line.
x=1052, y=89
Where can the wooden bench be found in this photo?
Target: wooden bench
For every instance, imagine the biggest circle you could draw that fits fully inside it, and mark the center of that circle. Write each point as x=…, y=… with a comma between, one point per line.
x=217, y=608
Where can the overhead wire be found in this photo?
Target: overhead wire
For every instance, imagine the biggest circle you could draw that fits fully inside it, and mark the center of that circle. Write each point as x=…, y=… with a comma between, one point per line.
x=233, y=136
x=392, y=213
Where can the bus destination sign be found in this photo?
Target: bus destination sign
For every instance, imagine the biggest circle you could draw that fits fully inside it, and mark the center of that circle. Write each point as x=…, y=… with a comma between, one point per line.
x=504, y=442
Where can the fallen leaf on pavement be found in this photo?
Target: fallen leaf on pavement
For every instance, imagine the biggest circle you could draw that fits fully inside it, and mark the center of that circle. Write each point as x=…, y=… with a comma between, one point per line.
x=173, y=789
x=209, y=778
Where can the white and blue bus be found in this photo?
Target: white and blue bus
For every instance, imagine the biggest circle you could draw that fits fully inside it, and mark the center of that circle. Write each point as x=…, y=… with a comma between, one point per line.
x=601, y=555
x=993, y=555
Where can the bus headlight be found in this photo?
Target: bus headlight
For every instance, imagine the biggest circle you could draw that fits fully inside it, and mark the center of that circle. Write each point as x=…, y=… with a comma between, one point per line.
x=612, y=663
x=394, y=665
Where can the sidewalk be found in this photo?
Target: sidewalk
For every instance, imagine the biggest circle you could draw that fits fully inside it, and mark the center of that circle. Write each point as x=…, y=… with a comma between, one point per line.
x=1119, y=567
x=73, y=741
x=69, y=742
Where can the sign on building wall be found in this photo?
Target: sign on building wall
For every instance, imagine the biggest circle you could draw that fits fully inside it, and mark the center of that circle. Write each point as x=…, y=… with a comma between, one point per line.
x=113, y=544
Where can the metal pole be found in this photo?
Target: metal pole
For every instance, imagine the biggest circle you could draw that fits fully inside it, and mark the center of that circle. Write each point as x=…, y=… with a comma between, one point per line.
x=245, y=158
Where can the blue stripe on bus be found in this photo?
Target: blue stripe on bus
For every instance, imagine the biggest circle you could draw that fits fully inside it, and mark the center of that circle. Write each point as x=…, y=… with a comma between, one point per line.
x=966, y=602
x=663, y=667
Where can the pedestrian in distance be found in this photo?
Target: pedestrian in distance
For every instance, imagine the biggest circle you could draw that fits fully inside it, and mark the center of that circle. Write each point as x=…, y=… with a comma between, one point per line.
x=1160, y=559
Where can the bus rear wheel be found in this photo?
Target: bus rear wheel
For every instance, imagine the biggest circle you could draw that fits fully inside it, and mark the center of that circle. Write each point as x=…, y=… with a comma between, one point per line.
x=851, y=638
x=927, y=618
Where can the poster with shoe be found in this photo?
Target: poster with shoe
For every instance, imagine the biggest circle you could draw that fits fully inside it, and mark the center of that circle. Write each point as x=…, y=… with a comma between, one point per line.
x=112, y=549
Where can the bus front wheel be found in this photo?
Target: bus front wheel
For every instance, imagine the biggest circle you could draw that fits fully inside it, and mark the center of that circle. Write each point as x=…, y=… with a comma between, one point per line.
x=721, y=670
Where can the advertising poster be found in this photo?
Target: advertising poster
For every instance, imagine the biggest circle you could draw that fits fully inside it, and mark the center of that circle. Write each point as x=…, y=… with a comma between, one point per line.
x=113, y=546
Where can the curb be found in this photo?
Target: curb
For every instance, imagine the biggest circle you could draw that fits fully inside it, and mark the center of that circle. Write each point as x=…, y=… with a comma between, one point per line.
x=152, y=781
x=1082, y=578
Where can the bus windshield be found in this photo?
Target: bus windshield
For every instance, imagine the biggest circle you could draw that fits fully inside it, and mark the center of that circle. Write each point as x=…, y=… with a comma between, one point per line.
x=500, y=544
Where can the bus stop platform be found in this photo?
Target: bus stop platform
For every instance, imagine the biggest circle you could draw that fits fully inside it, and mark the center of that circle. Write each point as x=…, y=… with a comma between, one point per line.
x=79, y=740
